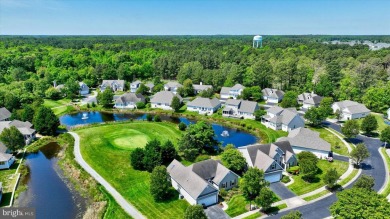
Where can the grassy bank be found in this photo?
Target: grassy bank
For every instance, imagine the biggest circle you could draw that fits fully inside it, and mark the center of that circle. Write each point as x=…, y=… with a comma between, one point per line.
x=102, y=150
x=336, y=144
x=386, y=191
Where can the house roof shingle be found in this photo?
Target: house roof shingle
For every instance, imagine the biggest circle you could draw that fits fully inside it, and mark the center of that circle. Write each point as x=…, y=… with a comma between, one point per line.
x=130, y=97
x=210, y=169
x=270, y=92
x=306, y=138
x=202, y=87
x=4, y=113
x=5, y=157
x=164, y=97
x=204, y=102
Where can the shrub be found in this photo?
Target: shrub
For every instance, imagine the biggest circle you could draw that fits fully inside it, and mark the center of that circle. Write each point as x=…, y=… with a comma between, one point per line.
x=88, y=106
x=93, y=104
x=149, y=117
x=223, y=192
x=182, y=126
x=293, y=170
x=285, y=179
x=202, y=157
x=140, y=105
x=157, y=118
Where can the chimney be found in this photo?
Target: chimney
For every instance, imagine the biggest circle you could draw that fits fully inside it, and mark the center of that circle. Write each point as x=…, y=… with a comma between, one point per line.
x=201, y=83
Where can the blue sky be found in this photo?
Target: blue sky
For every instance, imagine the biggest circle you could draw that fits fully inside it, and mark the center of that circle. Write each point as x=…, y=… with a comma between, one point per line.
x=195, y=17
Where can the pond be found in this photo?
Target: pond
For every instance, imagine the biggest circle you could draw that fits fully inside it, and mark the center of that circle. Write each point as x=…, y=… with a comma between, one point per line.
x=236, y=137
x=47, y=192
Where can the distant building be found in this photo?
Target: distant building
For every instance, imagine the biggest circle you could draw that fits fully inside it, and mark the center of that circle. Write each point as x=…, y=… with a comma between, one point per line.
x=163, y=100
x=150, y=85
x=231, y=92
x=308, y=100
x=24, y=127
x=84, y=89
x=257, y=41
x=134, y=86
x=204, y=105
x=278, y=118
x=350, y=110
x=172, y=86
x=240, y=109
x=201, y=87
x=128, y=101
x=5, y=114
x=115, y=85
x=271, y=95
x=6, y=160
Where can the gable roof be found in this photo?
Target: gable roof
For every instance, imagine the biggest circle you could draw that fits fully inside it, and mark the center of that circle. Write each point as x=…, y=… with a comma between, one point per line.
x=23, y=127
x=4, y=113
x=193, y=184
x=83, y=86
x=237, y=87
x=172, y=84
x=233, y=102
x=109, y=83
x=225, y=90
x=3, y=148
x=5, y=157
x=204, y=102
x=211, y=169
x=164, y=97
x=248, y=106
x=201, y=87
x=359, y=108
x=136, y=82
x=270, y=92
x=275, y=110
x=315, y=100
x=130, y=97
x=345, y=103
x=306, y=138
x=150, y=85
x=284, y=116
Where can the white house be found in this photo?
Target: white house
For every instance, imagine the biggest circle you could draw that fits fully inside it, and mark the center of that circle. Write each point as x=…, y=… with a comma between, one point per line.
x=6, y=160
x=350, y=110
x=240, y=109
x=172, y=86
x=231, y=92
x=24, y=128
x=163, y=100
x=5, y=114
x=128, y=101
x=308, y=100
x=115, y=85
x=278, y=118
x=303, y=139
x=271, y=95
x=271, y=158
x=134, y=86
x=150, y=85
x=204, y=105
x=201, y=87
x=84, y=89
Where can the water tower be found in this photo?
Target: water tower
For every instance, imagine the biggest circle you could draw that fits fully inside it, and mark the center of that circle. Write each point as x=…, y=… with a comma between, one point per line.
x=257, y=41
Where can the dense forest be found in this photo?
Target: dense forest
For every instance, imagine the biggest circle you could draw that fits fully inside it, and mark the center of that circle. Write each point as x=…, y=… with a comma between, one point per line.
x=29, y=65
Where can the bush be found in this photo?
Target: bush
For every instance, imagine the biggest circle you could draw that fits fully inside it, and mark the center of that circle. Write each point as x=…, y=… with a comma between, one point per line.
x=182, y=126
x=157, y=118
x=140, y=105
x=285, y=179
x=149, y=117
x=93, y=104
x=88, y=106
x=293, y=170
x=202, y=157
x=223, y=192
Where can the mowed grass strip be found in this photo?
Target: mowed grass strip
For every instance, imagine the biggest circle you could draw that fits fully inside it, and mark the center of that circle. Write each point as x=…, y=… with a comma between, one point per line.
x=99, y=149
x=333, y=141
x=301, y=187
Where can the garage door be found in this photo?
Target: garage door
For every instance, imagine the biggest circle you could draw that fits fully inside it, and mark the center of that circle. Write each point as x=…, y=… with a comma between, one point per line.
x=209, y=200
x=273, y=177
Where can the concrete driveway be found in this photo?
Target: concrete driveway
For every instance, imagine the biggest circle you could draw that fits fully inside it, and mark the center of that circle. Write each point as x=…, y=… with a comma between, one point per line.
x=281, y=190
x=216, y=212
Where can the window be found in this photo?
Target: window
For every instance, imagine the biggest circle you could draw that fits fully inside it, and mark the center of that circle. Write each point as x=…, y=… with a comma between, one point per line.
x=232, y=183
x=2, y=163
x=273, y=166
x=224, y=185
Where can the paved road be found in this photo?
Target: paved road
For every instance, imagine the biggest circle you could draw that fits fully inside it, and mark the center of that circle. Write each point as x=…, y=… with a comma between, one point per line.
x=216, y=212
x=130, y=209
x=281, y=190
x=341, y=158
x=373, y=166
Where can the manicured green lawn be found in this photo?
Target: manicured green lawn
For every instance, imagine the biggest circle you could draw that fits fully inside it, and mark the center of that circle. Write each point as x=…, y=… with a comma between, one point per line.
x=236, y=206
x=386, y=191
x=349, y=177
x=112, y=161
x=301, y=187
x=8, y=179
x=113, y=210
x=379, y=118
x=333, y=140
x=56, y=103
x=315, y=196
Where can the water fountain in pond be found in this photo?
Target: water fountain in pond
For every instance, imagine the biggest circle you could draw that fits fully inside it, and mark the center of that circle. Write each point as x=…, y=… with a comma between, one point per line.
x=85, y=116
x=225, y=133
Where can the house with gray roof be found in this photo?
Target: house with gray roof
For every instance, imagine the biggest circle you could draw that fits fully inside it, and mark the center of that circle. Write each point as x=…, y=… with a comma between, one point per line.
x=128, y=101
x=271, y=158
x=204, y=105
x=271, y=95
x=4, y=114
x=350, y=110
x=163, y=100
x=308, y=100
x=134, y=86
x=115, y=85
x=304, y=139
x=278, y=118
x=192, y=187
x=150, y=85
x=6, y=160
x=172, y=86
x=240, y=109
x=24, y=127
x=231, y=92
x=84, y=89
x=201, y=87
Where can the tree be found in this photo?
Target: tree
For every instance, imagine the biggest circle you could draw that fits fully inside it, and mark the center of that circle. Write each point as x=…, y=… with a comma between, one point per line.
x=27, y=113
x=365, y=182
x=12, y=138
x=152, y=155
x=259, y=113
x=195, y=212
x=208, y=93
x=292, y=215
x=360, y=203
x=307, y=164
x=157, y=118
x=140, y=105
x=338, y=114
x=198, y=137
x=369, y=124
x=326, y=106
x=187, y=89
x=45, y=121
x=53, y=93
x=149, y=117
x=182, y=126
x=136, y=159
x=315, y=116
x=265, y=198
x=330, y=178
x=168, y=152
x=350, y=128
x=385, y=135
x=175, y=104
x=159, y=183
x=359, y=153
x=105, y=98
x=233, y=160
x=72, y=89
x=142, y=89
x=252, y=183
x=289, y=100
